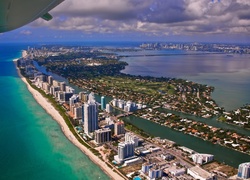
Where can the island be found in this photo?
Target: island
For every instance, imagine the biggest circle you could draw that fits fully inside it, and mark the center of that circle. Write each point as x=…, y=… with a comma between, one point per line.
x=119, y=148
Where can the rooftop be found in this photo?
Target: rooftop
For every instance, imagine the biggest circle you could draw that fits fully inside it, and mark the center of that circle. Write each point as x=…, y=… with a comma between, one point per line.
x=201, y=172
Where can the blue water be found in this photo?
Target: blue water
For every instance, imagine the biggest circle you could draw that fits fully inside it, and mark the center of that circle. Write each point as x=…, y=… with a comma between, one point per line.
x=32, y=145
x=137, y=178
x=228, y=74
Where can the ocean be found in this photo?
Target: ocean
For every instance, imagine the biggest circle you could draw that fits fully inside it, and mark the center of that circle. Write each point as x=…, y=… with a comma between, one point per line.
x=31, y=142
x=32, y=145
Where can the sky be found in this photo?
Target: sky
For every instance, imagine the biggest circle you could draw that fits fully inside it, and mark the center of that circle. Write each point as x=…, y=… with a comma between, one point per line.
x=141, y=20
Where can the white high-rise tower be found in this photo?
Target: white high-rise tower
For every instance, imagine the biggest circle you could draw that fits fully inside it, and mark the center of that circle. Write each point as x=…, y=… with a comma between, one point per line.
x=90, y=115
x=244, y=170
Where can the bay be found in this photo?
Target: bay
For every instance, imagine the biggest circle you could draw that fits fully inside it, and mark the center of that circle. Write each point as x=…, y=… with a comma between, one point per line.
x=229, y=74
x=33, y=146
x=155, y=66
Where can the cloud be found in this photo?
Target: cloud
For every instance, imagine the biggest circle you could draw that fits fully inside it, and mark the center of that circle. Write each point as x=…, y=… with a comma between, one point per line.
x=152, y=16
x=103, y=9
x=25, y=32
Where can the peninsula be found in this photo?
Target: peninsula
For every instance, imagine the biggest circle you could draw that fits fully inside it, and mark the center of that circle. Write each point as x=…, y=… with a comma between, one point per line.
x=103, y=137
x=48, y=106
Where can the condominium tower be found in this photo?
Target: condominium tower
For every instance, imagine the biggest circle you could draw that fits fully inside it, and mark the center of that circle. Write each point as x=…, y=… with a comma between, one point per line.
x=90, y=116
x=244, y=170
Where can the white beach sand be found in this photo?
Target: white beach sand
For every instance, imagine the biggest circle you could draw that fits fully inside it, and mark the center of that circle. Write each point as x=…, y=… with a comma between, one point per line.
x=56, y=116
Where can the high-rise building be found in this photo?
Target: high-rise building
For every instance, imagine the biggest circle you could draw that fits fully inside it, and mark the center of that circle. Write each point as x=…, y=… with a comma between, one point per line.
x=102, y=135
x=91, y=97
x=67, y=96
x=73, y=99
x=90, y=116
x=50, y=80
x=127, y=108
x=69, y=89
x=145, y=167
x=126, y=150
x=46, y=87
x=83, y=114
x=108, y=108
x=53, y=89
x=115, y=102
x=121, y=103
x=131, y=137
x=155, y=173
x=41, y=77
x=103, y=103
x=130, y=106
x=119, y=128
x=60, y=96
x=83, y=96
x=244, y=170
x=62, y=86
x=77, y=111
x=55, y=83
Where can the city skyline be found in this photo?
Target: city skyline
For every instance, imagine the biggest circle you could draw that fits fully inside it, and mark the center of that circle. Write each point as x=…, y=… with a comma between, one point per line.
x=153, y=20
x=137, y=146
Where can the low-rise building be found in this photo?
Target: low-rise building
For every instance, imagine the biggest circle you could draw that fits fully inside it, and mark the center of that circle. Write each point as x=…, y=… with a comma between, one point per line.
x=133, y=161
x=200, y=174
x=177, y=172
x=190, y=151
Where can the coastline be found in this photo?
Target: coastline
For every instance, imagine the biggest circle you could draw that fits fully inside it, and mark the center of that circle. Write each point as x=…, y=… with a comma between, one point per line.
x=49, y=108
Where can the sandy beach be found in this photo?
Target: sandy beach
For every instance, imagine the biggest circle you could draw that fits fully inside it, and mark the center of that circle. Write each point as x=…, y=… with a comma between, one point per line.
x=56, y=116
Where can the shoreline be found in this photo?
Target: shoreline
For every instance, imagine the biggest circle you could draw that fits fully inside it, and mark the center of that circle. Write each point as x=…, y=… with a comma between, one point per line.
x=192, y=135
x=49, y=108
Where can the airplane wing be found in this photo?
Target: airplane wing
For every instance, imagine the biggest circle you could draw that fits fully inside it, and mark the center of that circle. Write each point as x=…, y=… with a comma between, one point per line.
x=17, y=13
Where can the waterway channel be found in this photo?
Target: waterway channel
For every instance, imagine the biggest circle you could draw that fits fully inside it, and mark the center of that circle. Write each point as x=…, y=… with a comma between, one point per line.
x=222, y=154
x=209, y=121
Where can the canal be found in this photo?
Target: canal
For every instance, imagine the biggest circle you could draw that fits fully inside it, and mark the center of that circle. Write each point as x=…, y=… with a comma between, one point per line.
x=209, y=121
x=222, y=154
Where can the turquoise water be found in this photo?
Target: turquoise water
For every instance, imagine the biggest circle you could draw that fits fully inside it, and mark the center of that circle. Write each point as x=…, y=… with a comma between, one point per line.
x=32, y=145
x=137, y=178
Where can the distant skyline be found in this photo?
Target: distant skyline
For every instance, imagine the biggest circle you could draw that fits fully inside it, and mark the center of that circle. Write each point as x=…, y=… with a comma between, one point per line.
x=139, y=20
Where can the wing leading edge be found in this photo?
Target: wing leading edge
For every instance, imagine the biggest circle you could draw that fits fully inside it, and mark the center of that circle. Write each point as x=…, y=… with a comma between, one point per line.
x=17, y=13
